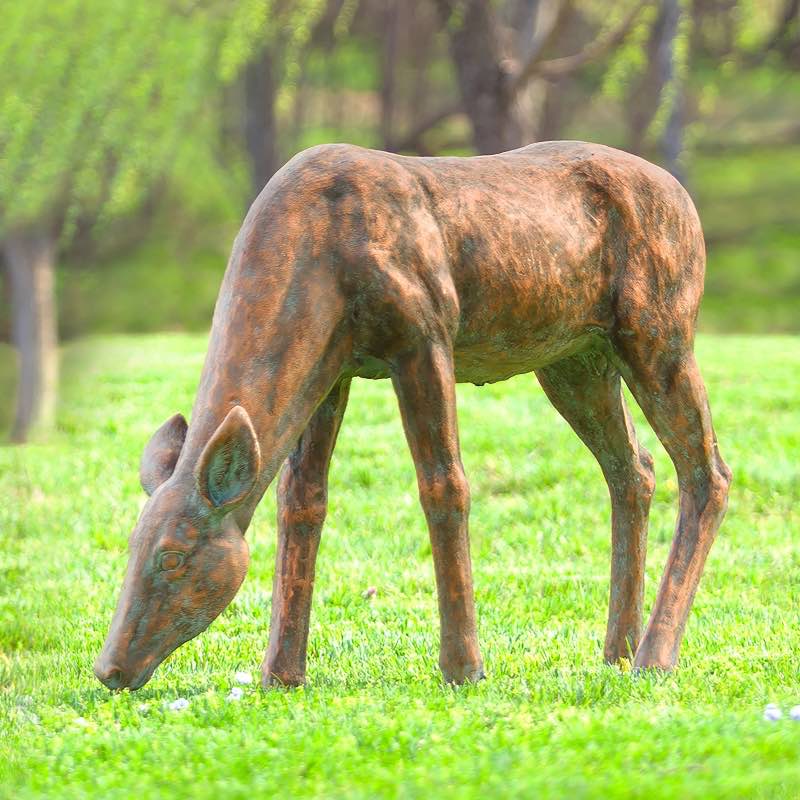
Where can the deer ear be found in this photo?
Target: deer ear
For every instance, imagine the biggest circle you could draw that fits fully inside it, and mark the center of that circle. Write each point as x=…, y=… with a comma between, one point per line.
x=230, y=462
x=161, y=453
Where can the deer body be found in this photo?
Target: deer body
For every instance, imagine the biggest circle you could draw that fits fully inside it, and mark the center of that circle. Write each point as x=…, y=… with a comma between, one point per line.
x=576, y=261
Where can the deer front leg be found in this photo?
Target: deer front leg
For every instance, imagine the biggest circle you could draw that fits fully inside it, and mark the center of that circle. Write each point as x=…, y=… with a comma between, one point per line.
x=425, y=387
x=302, y=504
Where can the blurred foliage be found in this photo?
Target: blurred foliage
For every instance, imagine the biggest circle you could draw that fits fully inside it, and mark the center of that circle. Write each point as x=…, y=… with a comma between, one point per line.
x=103, y=98
x=629, y=59
x=122, y=122
x=96, y=97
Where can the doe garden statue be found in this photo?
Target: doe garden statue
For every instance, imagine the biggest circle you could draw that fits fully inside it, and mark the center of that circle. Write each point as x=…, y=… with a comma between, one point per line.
x=575, y=261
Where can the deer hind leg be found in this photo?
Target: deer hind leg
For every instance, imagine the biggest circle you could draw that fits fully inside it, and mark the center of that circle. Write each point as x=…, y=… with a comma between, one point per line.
x=302, y=505
x=669, y=389
x=586, y=390
x=425, y=386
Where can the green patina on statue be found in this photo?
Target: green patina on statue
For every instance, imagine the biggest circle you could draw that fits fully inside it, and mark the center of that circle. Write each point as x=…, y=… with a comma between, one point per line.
x=575, y=261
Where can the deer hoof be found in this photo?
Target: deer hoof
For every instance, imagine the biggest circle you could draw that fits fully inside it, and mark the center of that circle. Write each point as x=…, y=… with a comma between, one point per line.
x=464, y=674
x=270, y=679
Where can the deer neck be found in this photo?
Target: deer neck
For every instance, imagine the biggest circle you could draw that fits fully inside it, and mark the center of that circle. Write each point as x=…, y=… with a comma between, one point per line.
x=279, y=343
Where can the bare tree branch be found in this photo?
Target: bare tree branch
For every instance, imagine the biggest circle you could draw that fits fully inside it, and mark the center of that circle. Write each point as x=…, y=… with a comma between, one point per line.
x=558, y=68
x=550, y=31
x=552, y=70
x=412, y=139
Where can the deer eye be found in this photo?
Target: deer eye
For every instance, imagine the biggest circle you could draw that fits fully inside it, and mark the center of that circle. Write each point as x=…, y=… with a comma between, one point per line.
x=171, y=559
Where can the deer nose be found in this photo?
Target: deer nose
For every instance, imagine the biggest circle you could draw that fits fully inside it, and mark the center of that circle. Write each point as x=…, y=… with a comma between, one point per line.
x=109, y=674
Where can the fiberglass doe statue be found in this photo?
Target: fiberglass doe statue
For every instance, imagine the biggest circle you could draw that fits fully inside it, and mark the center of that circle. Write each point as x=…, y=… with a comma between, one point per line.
x=575, y=261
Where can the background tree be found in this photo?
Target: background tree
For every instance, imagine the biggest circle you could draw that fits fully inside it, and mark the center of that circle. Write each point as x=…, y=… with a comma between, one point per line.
x=133, y=134
x=659, y=87
x=96, y=98
x=102, y=102
x=271, y=38
x=494, y=65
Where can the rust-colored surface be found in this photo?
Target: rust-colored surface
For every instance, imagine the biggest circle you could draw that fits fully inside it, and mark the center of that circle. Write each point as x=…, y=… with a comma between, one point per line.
x=578, y=262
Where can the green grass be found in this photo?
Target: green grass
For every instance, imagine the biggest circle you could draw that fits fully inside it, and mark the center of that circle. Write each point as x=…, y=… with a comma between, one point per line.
x=375, y=720
x=752, y=230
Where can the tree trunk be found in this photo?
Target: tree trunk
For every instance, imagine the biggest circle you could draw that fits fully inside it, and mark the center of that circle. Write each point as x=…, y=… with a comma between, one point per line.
x=672, y=137
x=391, y=32
x=30, y=257
x=260, y=90
x=485, y=85
x=659, y=85
x=645, y=95
x=555, y=111
x=672, y=140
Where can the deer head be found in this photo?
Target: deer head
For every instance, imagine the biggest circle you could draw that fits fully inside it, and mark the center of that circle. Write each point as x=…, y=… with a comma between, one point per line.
x=187, y=555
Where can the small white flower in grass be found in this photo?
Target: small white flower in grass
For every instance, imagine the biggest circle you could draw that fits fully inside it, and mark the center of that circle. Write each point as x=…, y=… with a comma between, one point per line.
x=179, y=704
x=772, y=713
x=794, y=713
x=143, y=708
x=235, y=694
x=82, y=722
x=243, y=677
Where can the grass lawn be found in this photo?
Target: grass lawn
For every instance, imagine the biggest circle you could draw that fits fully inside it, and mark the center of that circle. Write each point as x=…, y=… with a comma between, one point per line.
x=375, y=719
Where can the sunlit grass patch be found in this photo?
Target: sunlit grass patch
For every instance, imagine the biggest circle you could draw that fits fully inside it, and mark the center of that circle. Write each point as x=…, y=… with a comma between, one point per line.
x=374, y=720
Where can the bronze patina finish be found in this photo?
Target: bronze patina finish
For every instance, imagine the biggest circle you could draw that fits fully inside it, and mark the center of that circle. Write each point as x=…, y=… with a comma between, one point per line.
x=573, y=260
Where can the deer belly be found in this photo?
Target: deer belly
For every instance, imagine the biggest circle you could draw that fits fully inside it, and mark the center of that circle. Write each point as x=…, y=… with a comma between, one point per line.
x=518, y=322
x=501, y=357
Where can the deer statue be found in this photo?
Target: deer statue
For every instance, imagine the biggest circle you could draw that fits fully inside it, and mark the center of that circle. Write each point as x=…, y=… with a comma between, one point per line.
x=575, y=261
